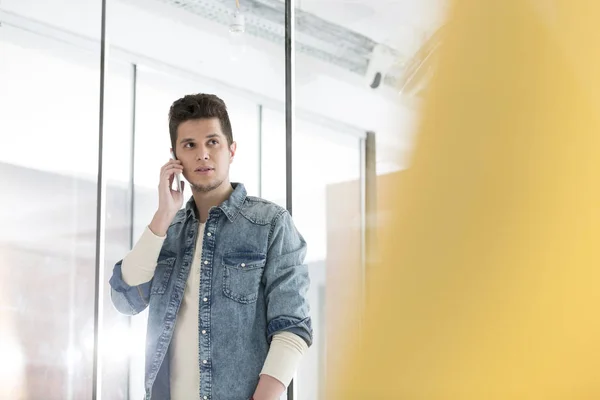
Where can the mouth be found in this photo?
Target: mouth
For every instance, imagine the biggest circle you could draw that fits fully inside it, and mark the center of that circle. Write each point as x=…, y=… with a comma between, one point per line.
x=204, y=170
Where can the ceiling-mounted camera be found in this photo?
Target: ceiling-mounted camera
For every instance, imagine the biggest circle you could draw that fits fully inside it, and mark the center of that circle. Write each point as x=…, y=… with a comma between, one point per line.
x=381, y=60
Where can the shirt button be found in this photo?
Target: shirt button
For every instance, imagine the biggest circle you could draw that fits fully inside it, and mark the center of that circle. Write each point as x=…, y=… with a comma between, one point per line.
x=205, y=397
x=204, y=332
x=208, y=234
x=243, y=265
x=205, y=299
x=204, y=361
x=205, y=262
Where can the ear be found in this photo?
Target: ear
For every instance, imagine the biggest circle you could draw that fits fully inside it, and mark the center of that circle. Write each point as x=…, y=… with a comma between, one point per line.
x=173, y=154
x=232, y=150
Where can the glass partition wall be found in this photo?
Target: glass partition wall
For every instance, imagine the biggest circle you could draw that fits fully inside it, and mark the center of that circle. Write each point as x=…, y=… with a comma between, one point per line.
x=49, y=124
x=85, y=88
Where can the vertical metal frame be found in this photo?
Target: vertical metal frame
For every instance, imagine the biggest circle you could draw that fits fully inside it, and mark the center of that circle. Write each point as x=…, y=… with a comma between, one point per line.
x=363, y=222
x=370, y=207
x=368, y=211
x=100, y=220
x=290, y=87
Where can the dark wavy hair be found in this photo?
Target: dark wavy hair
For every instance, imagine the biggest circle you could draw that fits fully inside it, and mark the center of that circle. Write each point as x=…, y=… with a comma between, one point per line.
x=199, y=106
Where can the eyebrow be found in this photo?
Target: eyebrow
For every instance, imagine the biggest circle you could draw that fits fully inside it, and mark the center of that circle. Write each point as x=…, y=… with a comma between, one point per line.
x=188, y=140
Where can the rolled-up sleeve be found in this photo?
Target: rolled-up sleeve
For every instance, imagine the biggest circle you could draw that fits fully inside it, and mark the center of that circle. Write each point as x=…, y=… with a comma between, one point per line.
x=286, y=281
x=132, y=277
x=128, y=300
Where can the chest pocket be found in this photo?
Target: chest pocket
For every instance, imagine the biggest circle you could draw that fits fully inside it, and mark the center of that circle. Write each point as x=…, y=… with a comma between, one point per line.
x=242, y=273
x=162, y=274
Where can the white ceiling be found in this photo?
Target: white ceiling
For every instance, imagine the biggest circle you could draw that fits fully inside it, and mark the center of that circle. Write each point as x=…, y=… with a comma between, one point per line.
x=401, y=24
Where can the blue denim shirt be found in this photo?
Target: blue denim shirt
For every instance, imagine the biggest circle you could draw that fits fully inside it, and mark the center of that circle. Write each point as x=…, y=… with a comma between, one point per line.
x=253, y=284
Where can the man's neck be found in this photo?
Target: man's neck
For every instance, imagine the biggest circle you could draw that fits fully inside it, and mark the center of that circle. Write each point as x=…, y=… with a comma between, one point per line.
x=205, y=200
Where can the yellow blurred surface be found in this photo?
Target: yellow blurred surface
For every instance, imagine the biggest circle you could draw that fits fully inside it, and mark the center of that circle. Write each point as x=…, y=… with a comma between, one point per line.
x=489, y=282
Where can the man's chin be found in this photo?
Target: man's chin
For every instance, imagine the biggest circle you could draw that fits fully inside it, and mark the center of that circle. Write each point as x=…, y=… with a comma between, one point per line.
x=205, y=187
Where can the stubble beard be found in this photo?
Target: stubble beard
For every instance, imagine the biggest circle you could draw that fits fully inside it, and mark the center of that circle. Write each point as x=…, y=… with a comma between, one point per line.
x=206, y=188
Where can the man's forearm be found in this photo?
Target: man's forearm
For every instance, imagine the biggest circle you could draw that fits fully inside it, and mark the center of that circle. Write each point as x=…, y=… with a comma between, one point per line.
x=139, y=265
x=286, y=352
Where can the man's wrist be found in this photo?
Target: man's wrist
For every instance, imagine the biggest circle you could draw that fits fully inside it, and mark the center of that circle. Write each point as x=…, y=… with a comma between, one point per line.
x=160, y=223
x=269, y=388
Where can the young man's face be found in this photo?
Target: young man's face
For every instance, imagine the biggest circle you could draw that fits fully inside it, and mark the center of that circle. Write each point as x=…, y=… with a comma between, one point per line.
x=204, y=152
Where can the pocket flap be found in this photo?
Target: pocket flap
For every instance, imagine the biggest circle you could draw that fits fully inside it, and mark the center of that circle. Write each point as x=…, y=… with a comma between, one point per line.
x=244, y=261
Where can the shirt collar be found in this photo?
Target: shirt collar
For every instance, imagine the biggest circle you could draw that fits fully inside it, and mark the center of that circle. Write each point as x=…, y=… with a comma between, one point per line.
x=231, y=207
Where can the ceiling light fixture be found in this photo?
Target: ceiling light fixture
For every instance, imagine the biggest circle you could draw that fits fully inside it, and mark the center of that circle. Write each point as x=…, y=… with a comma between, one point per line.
x=236, y=34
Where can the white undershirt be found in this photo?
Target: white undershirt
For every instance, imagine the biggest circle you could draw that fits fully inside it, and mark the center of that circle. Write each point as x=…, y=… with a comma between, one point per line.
x=185, y=373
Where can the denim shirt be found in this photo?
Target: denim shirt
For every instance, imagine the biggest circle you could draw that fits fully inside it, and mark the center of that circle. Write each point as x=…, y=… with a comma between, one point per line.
x=253, y=284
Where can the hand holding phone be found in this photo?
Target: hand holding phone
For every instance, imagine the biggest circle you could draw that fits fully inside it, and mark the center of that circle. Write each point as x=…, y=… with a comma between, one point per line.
x=170, y=200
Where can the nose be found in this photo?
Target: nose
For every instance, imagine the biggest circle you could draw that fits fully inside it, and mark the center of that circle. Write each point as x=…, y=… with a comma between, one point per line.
x=203, y=154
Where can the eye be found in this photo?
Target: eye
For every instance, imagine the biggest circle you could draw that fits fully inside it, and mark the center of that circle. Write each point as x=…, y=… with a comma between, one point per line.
x=213, y=142
x=188, y=145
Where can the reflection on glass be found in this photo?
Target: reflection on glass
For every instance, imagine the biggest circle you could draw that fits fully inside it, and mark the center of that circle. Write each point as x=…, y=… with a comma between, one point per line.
x=48, y=161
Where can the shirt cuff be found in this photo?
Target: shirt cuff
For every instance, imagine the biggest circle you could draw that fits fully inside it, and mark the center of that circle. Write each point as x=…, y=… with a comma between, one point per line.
x=139, y=264
x=285, y=354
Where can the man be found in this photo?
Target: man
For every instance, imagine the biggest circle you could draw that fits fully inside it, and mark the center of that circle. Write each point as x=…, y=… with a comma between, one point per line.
x=223, y=278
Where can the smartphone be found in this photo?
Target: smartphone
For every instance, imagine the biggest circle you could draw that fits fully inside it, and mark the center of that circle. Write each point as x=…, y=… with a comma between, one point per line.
x=177, y=179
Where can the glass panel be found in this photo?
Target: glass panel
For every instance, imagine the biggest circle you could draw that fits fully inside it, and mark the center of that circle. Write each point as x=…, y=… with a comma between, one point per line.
x=327, y=207
x=183, y=47
x=48, y=168
x=351, y=60
x=273, y=159
x=356, y=63
x=326, y=201
x=116, y=339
